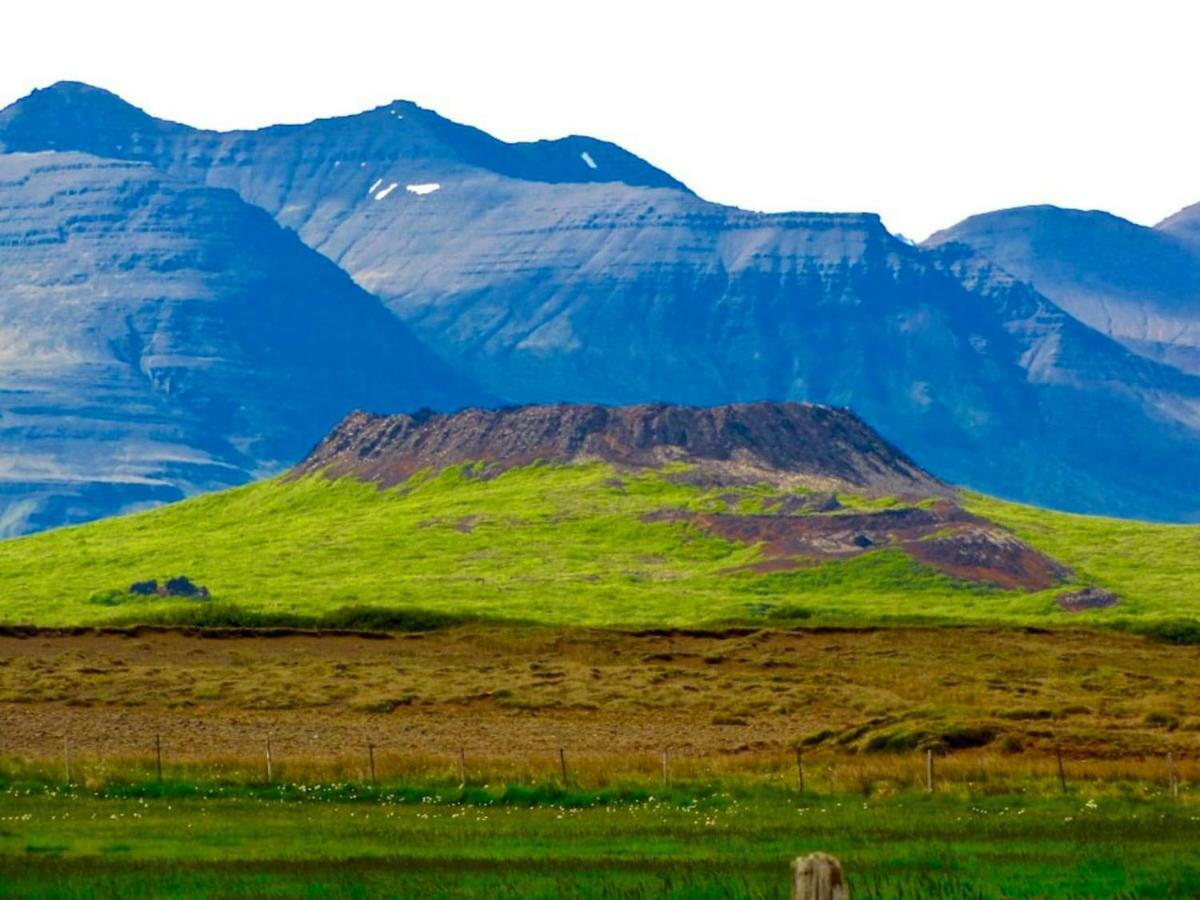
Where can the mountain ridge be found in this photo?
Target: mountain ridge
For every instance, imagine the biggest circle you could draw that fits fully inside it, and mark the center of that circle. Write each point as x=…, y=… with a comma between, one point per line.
x=1136, y=284
x=110, y=126
x=605, y=291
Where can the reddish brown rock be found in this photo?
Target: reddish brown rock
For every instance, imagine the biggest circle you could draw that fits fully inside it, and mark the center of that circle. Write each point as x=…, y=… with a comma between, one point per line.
x=779, y=442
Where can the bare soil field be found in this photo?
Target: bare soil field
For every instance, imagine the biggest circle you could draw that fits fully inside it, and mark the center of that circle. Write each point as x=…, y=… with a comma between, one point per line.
x=521, y=693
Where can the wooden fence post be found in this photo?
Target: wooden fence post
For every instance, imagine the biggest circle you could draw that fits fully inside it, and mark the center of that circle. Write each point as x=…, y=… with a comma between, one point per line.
x=67, y=756
x=800, y=768
x=1172, y=777
x=462, y=766
x=929, y=771
x=818, y=877
x=270, y=762
x=666, y=766
x=158, y=756
x=1062, y=773
x=562, y=762
x=371, y=756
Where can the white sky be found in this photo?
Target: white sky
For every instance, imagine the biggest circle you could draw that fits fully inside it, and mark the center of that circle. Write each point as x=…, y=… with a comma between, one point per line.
x=924, y=111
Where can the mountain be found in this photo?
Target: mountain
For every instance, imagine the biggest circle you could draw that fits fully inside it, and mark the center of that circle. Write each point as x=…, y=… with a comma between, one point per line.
x=571, y=270
x=1184, y=225
x=161, y=338
x=561, y=513
x=1140, y=286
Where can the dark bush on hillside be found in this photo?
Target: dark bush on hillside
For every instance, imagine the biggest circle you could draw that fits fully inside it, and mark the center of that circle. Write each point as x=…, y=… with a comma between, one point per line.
x=1170, y=631
x=788, y=613
x=380, y=618
x=345, y=618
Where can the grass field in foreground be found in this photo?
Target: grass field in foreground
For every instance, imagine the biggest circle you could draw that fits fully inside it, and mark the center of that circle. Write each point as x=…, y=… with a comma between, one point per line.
x=562, y=544
x=699, y=844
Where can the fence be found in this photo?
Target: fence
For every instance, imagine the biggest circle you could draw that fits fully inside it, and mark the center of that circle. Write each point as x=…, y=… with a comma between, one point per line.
x=804, y=772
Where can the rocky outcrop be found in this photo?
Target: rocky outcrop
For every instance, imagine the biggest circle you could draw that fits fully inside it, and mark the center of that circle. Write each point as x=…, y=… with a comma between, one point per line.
x=776, y=442
x=1087, y=599
x=940, y=535
x=181, y=586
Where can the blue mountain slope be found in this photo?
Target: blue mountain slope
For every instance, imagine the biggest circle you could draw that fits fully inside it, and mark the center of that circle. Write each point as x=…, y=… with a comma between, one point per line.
x=548, y=275
x=160, y=338
x=1139, y=285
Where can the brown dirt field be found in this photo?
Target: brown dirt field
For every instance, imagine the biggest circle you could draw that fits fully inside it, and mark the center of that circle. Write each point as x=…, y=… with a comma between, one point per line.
x=519, y=692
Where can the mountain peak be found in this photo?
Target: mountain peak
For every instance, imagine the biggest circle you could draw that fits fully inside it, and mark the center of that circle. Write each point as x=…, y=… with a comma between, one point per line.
x=72, y=115
x=1184, y=224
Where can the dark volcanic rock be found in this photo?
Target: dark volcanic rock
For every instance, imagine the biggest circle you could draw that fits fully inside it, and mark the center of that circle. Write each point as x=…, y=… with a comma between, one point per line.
x=1088, y=598
x=942, y=536
x=764, y=440
x=180, y=586
x=982, y=552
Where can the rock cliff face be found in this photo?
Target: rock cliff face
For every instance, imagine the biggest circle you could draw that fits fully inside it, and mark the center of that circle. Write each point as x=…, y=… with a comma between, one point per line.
x=572, y=271
x=823, y=447
x=160, y=338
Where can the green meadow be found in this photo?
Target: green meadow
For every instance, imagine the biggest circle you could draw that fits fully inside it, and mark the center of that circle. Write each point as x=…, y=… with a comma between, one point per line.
x=338, y=841
x=559, y=544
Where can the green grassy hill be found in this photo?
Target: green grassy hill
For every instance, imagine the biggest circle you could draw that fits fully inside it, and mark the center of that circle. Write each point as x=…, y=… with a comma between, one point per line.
x=571, y=544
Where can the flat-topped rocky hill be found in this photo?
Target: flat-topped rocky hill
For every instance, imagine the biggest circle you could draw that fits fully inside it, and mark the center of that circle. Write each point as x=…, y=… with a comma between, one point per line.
x=778, y=442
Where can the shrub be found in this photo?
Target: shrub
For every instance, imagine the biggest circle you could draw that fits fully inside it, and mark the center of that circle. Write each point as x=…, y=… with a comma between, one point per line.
x=343, y=618
x=1170, y=631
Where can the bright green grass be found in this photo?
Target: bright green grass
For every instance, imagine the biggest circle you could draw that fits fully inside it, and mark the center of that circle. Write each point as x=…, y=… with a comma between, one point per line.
x=731, y=845
x=1154, y=568
x=562, y=544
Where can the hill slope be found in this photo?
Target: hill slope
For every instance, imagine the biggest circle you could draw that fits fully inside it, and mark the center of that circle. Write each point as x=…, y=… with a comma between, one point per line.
x=571, y=270
x=160, y=339
x=1140, y=286
x=652, y=534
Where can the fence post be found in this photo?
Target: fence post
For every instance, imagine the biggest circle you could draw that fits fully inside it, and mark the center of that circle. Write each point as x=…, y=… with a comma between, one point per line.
x=1172, y=777
x=818, y=877
x=158, y=756
x=929, y=771
x=800, y=768
x=270, y=761
x=371, y=756
x=562, y=762
x=1062, y=773
x=462, y=767
x=67, y=756
x=666, y=766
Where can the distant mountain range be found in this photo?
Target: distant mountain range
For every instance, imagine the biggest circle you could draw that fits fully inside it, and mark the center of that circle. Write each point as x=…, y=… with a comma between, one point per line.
x=1043, y=355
